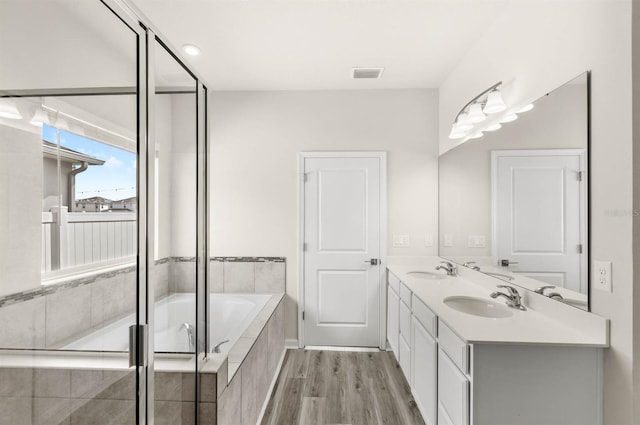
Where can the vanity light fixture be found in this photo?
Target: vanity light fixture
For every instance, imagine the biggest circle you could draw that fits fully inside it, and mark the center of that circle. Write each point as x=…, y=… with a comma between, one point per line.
x=525, y=108
x=476, y=111
x=9, y=109
x=191, y=49
x=40, y=117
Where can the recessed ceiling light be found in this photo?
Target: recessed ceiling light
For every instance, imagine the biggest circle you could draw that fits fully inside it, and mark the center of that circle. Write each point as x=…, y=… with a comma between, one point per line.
x=191, y=49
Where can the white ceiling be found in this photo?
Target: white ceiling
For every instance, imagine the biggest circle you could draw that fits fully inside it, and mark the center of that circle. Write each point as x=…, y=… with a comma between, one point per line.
x=313, y=44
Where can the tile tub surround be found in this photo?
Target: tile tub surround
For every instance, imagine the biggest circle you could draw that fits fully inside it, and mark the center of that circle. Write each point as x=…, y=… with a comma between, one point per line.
x=243, y=399
x=248, y=274
x=98, y=383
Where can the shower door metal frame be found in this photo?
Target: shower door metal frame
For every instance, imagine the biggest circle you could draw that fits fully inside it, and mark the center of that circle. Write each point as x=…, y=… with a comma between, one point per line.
x=147, y=35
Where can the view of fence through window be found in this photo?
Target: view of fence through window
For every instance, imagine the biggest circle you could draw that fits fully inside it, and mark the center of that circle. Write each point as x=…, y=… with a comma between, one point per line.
x=96, y=192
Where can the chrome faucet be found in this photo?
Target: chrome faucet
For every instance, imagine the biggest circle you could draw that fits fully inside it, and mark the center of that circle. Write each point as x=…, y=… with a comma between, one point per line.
x=449, y=268
x=191, y=334
x=216, y=349
x=552, y=295
x=469, y=265
x=514, y=300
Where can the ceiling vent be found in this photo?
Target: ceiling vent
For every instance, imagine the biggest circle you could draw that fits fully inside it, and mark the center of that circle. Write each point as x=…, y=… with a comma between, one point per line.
x=367, y=73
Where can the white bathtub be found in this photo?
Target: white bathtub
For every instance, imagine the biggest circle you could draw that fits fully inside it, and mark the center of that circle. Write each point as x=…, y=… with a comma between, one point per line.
x=229, y=316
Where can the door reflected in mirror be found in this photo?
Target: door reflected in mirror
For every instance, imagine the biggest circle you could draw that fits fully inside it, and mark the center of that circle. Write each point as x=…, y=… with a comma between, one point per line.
x=515, y=202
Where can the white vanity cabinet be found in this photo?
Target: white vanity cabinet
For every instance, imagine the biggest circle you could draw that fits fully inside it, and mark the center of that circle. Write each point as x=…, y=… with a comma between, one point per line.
x=498, y=383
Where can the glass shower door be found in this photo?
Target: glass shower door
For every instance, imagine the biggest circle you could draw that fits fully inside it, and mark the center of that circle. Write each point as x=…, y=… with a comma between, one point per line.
x=72, y=210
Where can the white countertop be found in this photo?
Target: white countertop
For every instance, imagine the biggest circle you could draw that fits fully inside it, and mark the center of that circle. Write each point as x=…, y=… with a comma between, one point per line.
x=545, y=322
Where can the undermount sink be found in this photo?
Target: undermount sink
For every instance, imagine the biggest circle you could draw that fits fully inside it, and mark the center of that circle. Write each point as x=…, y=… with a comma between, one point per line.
x=426, y=275
x=478, y=307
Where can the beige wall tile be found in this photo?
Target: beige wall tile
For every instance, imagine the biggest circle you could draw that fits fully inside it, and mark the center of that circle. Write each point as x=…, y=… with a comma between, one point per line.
x=230, y=402
x=23, y=324
x=270, y=277
x=239, y=277
x=68, y=314
x=216, y=271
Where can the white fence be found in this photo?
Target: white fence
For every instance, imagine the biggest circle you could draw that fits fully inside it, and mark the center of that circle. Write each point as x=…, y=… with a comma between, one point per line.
x=77, y=239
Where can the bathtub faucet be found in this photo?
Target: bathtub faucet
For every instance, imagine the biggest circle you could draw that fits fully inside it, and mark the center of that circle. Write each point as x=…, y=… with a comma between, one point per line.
x=191, y=334
x=216, y=349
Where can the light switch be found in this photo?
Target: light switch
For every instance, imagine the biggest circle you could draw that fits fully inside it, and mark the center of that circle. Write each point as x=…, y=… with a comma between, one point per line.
x=603, y=276
x=401, y=241
x=476, y=241
x=448, y=240
x=428, y=240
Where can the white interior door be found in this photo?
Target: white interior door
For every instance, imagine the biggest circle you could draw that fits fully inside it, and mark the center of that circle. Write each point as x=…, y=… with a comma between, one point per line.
x=539, y=203
x=342, y=229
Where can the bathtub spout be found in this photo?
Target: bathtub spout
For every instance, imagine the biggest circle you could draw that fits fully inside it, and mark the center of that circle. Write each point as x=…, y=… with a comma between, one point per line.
x=216, y=349
x=191, y=334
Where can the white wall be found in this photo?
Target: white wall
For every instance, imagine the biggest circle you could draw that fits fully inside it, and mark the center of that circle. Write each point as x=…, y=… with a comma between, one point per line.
x=20, y=209
x=255, y=141
x=537, y=46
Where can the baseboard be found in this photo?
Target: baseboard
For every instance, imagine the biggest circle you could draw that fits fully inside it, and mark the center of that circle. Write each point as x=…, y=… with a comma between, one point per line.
x=291, y=344
x=273, y=382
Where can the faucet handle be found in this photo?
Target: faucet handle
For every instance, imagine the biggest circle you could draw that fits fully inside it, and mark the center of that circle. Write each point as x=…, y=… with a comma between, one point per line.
x=541, y=289
x=512, y=291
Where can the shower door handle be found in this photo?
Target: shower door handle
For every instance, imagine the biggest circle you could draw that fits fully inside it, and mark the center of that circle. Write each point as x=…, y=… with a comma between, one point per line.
x=138, y=345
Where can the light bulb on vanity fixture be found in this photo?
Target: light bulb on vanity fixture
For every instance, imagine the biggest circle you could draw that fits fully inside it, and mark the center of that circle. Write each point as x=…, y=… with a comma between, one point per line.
x=494, y=127
x=510, y=117
x=475, y=114
x=495, y=103
x=9, y=109
x=525, y=108
x=40, y=117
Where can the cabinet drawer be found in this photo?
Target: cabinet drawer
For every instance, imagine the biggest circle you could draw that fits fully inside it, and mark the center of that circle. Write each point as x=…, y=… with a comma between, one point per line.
x=394, y=282
x=405, y=323
x=424, y=371
x=428, y=319
x=453, y=393
x=405, y=294
x=405, y=359
x=456, y=348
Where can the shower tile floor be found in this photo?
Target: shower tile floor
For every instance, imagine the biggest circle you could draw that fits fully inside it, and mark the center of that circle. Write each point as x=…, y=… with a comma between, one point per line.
x=338, y=387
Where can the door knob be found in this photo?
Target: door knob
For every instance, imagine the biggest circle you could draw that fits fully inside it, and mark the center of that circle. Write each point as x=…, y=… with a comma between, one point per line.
x=373, y=261
x=507, y=263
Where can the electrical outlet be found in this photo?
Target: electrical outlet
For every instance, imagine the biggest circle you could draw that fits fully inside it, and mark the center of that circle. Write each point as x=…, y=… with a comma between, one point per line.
x=401, y=241
x=602, y=276
x=428, y=240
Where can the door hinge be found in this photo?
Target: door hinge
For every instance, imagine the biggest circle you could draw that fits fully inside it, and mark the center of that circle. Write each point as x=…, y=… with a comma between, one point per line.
x=304, y=177
x=303, y=315
x=580, y=175
x=304, y=246
x=579, y=248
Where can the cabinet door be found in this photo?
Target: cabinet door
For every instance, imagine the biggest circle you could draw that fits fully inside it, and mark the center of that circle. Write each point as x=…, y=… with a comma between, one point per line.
x=393, y=317
x=424, y=361
x=453, y=393
x=405, y=359
x=405, y=322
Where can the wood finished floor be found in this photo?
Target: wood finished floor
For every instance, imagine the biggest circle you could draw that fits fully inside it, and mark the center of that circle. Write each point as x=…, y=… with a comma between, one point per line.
x=341, y=388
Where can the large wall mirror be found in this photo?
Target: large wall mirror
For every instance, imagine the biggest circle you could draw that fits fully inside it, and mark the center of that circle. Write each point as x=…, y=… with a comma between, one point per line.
x=514, y=203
